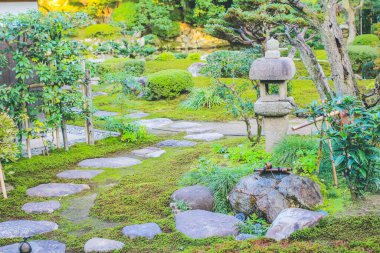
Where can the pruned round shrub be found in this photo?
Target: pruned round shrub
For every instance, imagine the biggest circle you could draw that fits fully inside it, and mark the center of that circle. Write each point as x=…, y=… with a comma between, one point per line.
x=366, y=40
x=166, y=56
x=101, y=31
x=194, y=56
x=125, y=13
x=131, y=67
x=168, y=83
x=360, y=55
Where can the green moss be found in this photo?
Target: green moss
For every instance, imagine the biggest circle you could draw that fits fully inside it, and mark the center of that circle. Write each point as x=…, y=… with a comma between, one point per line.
x=155, y=66
x=125, y=13
x=366, y=40
x=102, y=31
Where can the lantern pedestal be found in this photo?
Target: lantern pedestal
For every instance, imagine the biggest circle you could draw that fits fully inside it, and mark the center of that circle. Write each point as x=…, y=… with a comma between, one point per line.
x=275, y=128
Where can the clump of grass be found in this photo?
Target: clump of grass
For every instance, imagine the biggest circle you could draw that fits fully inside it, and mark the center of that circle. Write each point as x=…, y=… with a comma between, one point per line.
x=203, y=98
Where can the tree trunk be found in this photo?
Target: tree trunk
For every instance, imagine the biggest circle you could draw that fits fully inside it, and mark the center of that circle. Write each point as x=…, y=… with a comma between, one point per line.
x=350, y=20
x=2, y=182
x=64, y=135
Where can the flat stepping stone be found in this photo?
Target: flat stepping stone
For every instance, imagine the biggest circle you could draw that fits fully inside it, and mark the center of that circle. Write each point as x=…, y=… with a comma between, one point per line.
x=102, y=245
x=79, y=174
x=56, y=189
x=204, y=136
x=25, y=228
x=105, y=114
x=38, y=246
x=184, y=125
x=154, y=123
x=137, y=115
x=148, y=230
x=198, y=224
x=199, y=130
x=176, y=143
x=99, y=93
x=149, y=152
x=112, y=162
x=41, y=207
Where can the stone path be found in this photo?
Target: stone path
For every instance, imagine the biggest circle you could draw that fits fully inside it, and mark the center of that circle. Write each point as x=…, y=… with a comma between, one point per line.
x=176, y=143
x=102, y=245
x=79, y=174
x=149, y=152
x=41, y=207
x=112, y=162
x=38, y=246
x=25, y=228
x=148, y=230
x=56, y=189
x=205, y=136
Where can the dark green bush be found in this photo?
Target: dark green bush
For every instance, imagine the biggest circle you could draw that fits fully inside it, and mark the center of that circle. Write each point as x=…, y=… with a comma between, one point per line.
x=369, y=70
x=360, y=55
x=101, y=31
x=366, y=40
x=131, y=67
x=173, y=31
x=168, y=83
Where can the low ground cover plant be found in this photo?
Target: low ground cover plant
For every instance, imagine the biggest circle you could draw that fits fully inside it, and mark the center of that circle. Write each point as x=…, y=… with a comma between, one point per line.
x=129, y=132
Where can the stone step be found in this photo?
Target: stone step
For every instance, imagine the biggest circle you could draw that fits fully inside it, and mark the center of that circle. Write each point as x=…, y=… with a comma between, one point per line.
x=147, y=230
x=176, y=143
x=102, y=245
x=25, y=228
x=79, y=174
x=38, y=246
x=204, y=136
x=56, y=189
x=41, y=207
x=148, y=152
x=112, y=162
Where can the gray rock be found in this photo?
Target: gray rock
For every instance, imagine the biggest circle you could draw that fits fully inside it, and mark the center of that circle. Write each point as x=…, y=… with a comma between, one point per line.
x=199, y=224
x=112, y=162
x=99, y=93
x=154, y=123
x=102, y=245
x=137, y=115
x=38, y=246
x=176, y=143
x=41, y=207
x=148, y=230
x=149, y=152
x=105, y=114
x=273, y=109
x=184, y=125
x=271, y=204
x=56, y=190
x=25, y=228
x=79, y=174
x=204, y=136
x=199, y=130
x=196, y=197
x=195, y=68
x=291, y=220
x=243, y=237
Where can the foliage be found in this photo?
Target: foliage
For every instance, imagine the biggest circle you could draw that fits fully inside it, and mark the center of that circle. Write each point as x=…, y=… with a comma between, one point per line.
x=129, y=132
x=103, y=31
x=369, y=70
x=246, y=154
x=360, y=55
x=182, y=205
x=126, y=48
x=376, y=29
x=366, y=40
x=194, y=56
x=254, y=225
x=173, y=31
x=200, y=98
x=128, y=66
x=126, y=14
x=165, y=56
x=168, y=84
x=132, y=86
x=8, y=131
x=355, y=137
x=181, y=55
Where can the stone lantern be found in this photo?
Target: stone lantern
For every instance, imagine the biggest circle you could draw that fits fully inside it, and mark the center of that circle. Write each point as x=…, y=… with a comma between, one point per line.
x=273, y=72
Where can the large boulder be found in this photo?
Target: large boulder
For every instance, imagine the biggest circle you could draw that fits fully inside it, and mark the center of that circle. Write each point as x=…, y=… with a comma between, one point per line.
x=269, y=195
x=291, y=220
x=196, y=197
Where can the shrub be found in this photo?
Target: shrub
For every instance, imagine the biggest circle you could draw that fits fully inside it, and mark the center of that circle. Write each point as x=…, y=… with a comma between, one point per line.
x=168, y=83
x=203, y=98
x=174, y=30
x=166, y=56
x=360, y=55
x=125, y=13
x=376, y=29
x=129, y=132
x=8, y=131
x=181, y=55
x=194, y=56
x=366, y=40
x=369, y=70
x=131, y=67
x=101, y=31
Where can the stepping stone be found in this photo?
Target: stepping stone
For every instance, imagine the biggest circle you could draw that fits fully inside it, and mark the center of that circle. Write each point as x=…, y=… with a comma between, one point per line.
x=199, y=130
x=184, y=125
x=56, y=190
x=105, y=114
x=38, y=246
x=41, y=207
x=176, y=143
x=205, y=136
x=196, y=197
x=102, y=245
x=148, y=230
x=79, y=174
x=25, y=228
x=149, y=152
x=198, y=224
x=112, y=162
x=137, y=115
x=154, y=123
x=99, y=93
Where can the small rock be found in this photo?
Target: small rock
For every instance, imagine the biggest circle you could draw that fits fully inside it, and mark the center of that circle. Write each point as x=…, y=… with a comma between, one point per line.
x=205, y=136
x=154, y=123
x=41, y=207
x=196, y=197
x=195, y=69
x=56, y=190
x=99, y=93
x=79, y=174
x=199, y=224
x=25, y=228
x=199, y=130
x=176, y=143
x=291, y=220
x=243, y=237
x=137, y=115
x=105, y=114
x=102, y=245
x=113, y=162
x=184, y=125
x=148, y=230
x=149, y=152
x=38, y=246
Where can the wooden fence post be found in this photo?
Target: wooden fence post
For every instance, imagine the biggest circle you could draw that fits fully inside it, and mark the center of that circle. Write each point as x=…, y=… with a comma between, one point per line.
x=2, y=182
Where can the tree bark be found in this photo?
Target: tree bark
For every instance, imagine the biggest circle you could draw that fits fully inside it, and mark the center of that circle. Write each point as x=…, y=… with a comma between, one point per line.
x=2, y=182
x=64, y=135
x=351, y=18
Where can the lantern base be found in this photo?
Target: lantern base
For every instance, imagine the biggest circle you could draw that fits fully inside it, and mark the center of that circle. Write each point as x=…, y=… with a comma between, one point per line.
x=275, y=129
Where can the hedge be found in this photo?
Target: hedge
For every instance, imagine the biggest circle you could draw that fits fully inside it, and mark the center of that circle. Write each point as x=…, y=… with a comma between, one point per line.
x=132, y=67
x=366, y=40
x=360, y=55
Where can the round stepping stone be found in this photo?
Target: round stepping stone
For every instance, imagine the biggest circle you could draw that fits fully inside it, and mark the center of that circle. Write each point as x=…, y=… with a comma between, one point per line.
x=198, y=224
x=79, y=174
x=25, y=228
x=148, y=230
x=56, y=190
x=41, y=207
x=38, y=246
x=176, y=143
x=149, y=152
x=184, y=125
x=113, y=162
x=102, y=245
x=199, y=130
x=205, y=136
x=105, y=114
x=137, y=115
x=154, y=123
